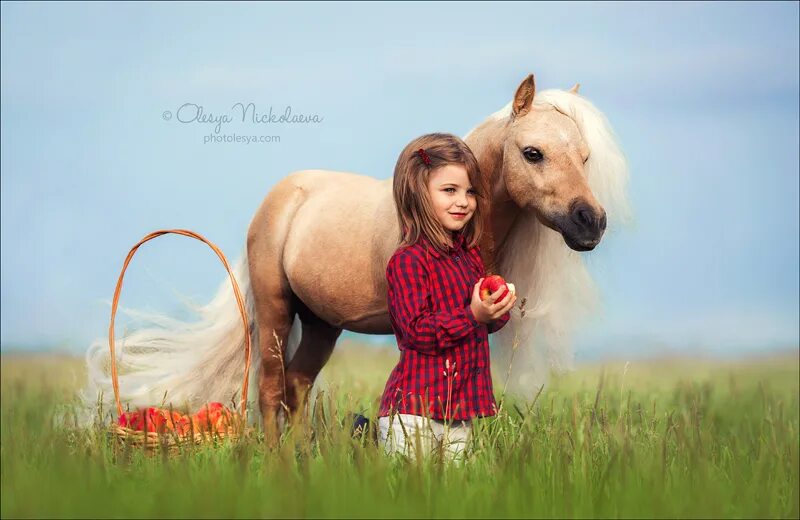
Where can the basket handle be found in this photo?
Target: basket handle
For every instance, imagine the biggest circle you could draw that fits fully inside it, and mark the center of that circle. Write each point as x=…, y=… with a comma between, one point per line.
x=239, y=302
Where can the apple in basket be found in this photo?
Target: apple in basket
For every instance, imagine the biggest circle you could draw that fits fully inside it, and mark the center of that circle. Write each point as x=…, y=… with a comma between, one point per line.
x=212, y=417
x=155, y=420
x=181, y=423
x=142, y=419
x=133, y=420
x=492, y=283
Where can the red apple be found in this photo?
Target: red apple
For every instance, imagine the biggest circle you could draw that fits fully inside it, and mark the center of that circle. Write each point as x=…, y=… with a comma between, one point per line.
x=491, y=284
x=213, y=416
x=142, y=419
x=131, y=420
x=155, y=420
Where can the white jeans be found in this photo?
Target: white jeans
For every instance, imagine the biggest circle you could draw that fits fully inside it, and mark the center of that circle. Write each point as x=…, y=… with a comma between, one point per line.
x=432, y=434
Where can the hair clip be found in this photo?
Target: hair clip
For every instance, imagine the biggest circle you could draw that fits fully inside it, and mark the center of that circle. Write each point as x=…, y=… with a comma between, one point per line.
x=425, y=158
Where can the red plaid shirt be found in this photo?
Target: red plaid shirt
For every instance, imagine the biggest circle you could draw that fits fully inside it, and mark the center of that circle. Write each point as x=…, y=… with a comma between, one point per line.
x=443, y=372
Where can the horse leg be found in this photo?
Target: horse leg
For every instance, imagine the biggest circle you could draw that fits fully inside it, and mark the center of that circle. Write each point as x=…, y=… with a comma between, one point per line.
x=316, y=346
x=275, y=304
x=275, y=317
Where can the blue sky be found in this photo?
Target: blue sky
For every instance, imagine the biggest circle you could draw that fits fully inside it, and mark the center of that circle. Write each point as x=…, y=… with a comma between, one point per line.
x=703, y=96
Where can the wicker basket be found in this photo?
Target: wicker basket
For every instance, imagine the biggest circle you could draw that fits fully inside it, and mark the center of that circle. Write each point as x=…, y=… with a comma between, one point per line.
x=234, y=428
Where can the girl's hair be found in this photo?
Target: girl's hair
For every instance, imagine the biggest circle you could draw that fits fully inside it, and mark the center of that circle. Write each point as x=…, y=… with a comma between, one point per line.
x=411, y=174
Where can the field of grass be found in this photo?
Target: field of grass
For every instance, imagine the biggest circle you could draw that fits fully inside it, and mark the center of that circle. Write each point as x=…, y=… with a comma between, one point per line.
x=668, y=438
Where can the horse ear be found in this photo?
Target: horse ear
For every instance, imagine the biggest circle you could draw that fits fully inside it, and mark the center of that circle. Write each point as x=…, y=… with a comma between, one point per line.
x=523, y=97
x=575, y=88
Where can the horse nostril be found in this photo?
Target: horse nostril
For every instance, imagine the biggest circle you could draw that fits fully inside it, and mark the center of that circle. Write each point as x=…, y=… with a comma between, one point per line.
x=585, y=217
x=580, y=216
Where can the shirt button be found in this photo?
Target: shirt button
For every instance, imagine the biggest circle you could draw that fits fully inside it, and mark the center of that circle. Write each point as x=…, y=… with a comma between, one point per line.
x=456, y=259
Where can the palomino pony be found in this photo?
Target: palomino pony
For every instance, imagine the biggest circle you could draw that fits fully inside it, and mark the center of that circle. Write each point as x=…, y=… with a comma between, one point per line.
x=318, y=246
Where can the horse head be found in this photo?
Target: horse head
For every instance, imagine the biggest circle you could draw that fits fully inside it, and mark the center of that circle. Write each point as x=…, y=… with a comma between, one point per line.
x=544, y=159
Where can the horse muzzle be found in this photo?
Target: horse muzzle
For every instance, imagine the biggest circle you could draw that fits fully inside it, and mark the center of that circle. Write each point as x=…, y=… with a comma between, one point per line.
x=582, y=227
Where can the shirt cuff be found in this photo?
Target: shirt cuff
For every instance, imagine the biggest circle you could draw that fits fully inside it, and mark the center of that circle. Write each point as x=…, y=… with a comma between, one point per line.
x=499, y=323
x=471, y=318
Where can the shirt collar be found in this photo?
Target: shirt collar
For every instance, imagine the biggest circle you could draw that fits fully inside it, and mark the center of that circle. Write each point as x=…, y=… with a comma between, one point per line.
x=458, y=244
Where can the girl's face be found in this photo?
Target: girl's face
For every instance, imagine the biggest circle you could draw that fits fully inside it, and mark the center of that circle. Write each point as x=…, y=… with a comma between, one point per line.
x=452, y=196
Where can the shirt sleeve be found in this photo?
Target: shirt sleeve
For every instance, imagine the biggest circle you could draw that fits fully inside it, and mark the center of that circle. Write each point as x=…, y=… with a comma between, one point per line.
x=499, y=323
x=420, y=328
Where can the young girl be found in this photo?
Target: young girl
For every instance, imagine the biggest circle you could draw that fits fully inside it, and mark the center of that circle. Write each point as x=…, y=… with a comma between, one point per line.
x=442, y=380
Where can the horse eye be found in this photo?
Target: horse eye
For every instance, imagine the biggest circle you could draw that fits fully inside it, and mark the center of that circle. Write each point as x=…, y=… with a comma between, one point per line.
x=532, y=154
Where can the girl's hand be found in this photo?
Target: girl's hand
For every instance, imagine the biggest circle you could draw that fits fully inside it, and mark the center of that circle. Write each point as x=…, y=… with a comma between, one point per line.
x=490, y=309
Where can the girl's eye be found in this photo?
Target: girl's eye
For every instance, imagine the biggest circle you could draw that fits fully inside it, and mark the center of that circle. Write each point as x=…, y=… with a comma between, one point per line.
x=469, y=191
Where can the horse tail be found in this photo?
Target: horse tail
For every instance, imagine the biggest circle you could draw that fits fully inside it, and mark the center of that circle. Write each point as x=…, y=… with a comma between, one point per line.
x=179, y=363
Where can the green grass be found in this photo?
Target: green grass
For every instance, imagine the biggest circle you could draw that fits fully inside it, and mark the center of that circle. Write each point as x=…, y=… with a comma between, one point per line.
x=679, y=438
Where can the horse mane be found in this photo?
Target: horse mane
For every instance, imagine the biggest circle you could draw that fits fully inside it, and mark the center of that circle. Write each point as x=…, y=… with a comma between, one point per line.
x=559, y=290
